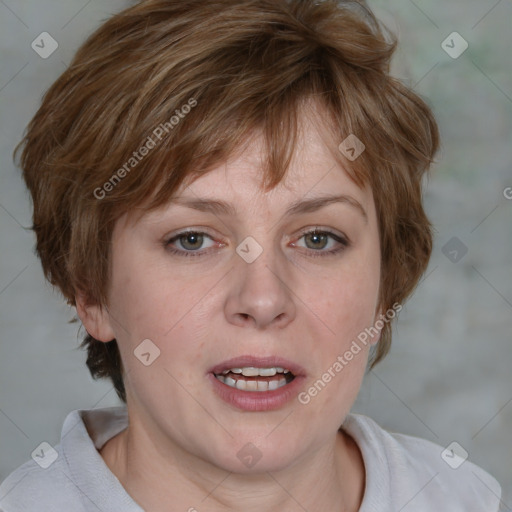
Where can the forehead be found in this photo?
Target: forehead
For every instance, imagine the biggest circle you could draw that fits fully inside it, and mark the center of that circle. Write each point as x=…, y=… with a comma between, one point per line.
x=316, y=168
x=235, y=187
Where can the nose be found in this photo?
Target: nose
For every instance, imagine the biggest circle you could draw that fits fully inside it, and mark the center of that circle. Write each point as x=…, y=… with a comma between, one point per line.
x=260, y=294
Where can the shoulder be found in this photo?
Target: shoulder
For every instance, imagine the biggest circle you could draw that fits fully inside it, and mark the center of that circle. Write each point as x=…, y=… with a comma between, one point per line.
x=32, y=487
x=71, y=476
x=421, y=475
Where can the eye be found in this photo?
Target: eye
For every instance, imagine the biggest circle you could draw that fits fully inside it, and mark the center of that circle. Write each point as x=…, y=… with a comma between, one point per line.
x=317, y=240
x=190, y=242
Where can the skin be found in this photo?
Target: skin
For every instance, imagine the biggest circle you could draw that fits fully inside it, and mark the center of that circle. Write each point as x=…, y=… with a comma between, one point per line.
x=182, y=441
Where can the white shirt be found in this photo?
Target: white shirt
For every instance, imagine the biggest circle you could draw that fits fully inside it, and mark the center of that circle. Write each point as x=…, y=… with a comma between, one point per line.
x=403, y=473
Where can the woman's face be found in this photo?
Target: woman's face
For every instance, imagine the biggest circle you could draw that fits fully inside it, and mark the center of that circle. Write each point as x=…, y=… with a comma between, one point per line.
x=248, y=288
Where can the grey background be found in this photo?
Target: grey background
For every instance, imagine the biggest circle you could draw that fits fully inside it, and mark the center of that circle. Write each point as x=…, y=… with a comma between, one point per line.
x=448, y=375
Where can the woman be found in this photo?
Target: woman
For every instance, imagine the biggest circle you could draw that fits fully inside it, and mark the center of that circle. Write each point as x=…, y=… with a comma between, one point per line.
x=229, y=193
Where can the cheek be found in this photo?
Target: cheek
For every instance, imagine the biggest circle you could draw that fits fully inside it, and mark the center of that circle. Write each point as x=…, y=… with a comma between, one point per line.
x=348, y=309
x=151, y=302
x=347, y=301
x=142, y=303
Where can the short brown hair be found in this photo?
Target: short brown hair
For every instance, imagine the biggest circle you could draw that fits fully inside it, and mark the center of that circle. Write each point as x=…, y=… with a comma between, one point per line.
x=248, y=65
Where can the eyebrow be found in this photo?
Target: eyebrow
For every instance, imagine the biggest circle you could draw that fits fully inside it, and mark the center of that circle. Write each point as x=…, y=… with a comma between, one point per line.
x=219, y=207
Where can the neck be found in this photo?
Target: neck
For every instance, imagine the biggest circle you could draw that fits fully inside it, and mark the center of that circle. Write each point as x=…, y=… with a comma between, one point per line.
x=331, y=477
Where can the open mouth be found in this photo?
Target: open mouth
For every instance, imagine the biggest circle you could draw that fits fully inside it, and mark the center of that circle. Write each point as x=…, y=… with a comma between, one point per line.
x=257, y=383
x=251, y=378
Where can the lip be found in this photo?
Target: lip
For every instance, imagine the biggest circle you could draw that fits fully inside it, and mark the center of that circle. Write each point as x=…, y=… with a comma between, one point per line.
x=257, y=400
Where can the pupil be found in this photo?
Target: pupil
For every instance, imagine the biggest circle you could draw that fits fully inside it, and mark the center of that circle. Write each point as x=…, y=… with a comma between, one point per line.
x=195, y=239
x=316, y=237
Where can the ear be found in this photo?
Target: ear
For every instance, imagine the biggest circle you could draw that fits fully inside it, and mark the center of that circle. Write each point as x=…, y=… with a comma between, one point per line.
x=95, y=319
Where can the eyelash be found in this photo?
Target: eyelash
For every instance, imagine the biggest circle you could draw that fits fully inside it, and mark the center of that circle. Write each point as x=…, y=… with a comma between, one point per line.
x=315, y=253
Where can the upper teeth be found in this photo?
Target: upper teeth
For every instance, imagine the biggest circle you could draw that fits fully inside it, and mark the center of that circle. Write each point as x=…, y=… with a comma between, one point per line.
x=251, y=371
